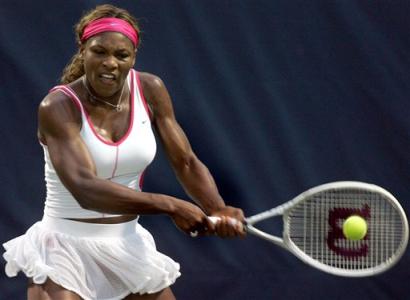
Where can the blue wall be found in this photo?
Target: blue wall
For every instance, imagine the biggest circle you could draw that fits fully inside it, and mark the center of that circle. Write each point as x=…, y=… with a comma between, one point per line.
x=275, y=97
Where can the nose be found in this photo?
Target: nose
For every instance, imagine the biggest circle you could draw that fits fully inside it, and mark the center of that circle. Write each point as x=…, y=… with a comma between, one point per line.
x=110, y=63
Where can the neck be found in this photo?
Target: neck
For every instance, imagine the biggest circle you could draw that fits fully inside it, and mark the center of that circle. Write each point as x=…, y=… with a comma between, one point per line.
x=107, y=101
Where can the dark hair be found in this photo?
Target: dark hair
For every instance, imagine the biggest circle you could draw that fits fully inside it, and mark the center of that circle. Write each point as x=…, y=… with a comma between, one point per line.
x=75, y=69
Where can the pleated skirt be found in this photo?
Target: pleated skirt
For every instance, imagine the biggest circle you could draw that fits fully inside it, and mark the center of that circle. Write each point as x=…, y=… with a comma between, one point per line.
x=96, y=261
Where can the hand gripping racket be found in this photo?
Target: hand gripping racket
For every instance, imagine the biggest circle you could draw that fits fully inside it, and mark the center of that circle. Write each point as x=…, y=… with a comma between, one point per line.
x=312, y=228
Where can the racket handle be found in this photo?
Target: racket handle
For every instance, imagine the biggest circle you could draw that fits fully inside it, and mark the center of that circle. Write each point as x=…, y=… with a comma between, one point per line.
x=215, y=220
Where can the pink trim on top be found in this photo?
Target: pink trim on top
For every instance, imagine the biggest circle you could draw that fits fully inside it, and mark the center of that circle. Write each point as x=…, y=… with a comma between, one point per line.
x=144, y=101
x=116, y=162
x=90, y=123
x=62, y=88
x=141, y=181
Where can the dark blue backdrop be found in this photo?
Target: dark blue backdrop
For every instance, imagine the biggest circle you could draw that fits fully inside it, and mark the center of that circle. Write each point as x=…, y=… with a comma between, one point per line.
x=275, y=97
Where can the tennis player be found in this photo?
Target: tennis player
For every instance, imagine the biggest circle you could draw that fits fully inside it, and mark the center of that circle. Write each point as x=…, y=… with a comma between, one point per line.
x=96, y=132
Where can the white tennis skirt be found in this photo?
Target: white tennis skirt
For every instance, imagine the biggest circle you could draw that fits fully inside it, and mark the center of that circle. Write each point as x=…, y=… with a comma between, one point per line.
x=96, y=261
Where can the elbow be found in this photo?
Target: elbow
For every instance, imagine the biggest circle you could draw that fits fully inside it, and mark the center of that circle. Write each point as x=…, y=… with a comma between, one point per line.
x=82, y=198
x=82, y=192
x=189, y=166
x=83, y=202
x=186, y=163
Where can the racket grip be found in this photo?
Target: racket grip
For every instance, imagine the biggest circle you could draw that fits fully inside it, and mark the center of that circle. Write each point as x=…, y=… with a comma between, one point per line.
x=215, y=220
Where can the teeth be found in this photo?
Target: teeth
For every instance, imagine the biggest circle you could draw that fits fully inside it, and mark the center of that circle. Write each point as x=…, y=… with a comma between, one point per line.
x=109, y=76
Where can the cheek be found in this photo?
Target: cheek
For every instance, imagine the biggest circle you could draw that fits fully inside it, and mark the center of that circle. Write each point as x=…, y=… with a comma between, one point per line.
x=90, y=64
x=87, y=62
x=88, y=69
x=126, y=66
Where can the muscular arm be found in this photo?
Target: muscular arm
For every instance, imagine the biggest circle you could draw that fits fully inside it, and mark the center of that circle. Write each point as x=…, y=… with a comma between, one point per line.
x=193, y=175
x=59, y=129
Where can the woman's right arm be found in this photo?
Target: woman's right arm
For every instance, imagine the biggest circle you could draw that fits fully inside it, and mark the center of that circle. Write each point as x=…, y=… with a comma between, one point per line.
x=59, y=129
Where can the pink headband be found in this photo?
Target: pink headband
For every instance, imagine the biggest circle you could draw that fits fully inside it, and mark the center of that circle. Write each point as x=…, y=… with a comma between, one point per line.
x=110, y=24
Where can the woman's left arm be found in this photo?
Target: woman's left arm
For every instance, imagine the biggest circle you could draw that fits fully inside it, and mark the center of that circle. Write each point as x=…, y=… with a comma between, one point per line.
x=193, y=175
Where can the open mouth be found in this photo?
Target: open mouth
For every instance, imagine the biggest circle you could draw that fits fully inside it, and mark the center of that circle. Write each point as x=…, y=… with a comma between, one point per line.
x=107, y=78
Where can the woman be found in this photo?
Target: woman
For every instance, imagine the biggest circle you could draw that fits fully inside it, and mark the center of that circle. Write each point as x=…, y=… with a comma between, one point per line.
x=96, y=133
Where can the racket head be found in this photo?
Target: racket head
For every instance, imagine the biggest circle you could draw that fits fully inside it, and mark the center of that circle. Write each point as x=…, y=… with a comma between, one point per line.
x=313, y=228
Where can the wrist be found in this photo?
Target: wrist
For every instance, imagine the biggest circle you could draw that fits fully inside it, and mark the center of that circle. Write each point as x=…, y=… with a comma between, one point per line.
x=164, y=204
x=210, y=210
x=170, y=205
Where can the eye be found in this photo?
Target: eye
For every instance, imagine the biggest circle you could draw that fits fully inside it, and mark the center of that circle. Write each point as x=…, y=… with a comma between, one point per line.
x=98, y=51
x=123, y=55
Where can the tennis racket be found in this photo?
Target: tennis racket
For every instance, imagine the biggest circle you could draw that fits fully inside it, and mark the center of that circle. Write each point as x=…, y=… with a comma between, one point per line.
x=312, y=228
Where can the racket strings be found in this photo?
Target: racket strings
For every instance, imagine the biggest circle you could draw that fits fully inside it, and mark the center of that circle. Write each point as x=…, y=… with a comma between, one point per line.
x=315, y=227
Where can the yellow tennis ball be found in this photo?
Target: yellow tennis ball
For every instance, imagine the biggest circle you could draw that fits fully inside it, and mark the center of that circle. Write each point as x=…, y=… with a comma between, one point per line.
x=354, y=228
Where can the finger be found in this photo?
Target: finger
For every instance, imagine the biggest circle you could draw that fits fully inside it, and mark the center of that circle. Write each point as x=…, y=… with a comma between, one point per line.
x=239, y=215
x=228, y=226
x=235, y=227
x=224, y=228
x=241, y=230
x=203, y=227
x=210, y=225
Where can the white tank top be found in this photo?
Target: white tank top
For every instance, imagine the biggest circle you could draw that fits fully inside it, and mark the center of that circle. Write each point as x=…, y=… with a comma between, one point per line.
x=122, y=162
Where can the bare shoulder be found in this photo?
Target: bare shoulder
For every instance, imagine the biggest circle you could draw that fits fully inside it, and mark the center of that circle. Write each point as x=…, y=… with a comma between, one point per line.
x=55, y=111
x=57, y=101
x=156, y=94
x=151, y=81
x=153, y=88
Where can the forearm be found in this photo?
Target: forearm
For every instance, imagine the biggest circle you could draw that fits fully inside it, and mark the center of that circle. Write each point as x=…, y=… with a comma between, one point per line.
x=109, y=197
x=199, y=184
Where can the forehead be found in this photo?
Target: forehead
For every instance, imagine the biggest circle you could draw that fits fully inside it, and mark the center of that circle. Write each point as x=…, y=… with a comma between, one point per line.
x=111, y=40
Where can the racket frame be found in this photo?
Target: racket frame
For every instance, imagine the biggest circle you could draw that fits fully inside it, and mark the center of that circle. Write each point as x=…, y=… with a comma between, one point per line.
x=286, y=242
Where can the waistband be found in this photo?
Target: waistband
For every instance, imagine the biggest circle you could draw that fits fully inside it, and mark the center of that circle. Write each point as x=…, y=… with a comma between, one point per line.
x=83, y=229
